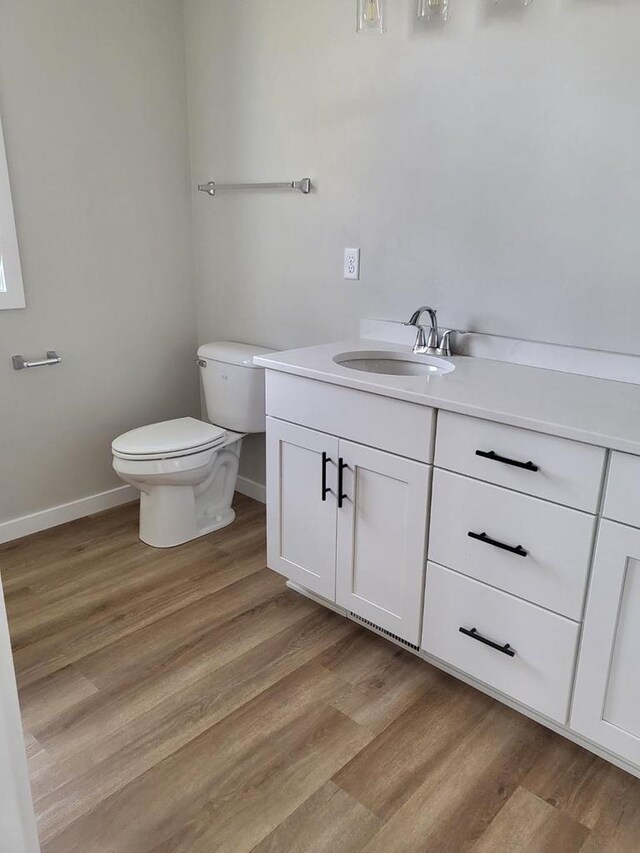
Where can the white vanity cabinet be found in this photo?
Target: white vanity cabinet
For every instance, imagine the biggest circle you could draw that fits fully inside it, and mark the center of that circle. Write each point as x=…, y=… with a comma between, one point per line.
x=349, y=523
x=498, y=553
x=606, y=705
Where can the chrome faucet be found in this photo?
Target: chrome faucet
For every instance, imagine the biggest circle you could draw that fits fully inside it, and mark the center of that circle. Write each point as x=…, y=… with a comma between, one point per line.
x=430, y=344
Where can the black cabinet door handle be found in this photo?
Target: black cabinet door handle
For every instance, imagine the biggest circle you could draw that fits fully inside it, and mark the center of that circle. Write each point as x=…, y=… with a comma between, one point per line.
x=341, y=496
x=506, y=649
x=512, y=549
x=325, y=489
x=494, y=457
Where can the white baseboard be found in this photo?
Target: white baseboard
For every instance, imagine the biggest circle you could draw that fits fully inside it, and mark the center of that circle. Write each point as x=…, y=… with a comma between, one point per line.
x=16, y=528
x=257, y=491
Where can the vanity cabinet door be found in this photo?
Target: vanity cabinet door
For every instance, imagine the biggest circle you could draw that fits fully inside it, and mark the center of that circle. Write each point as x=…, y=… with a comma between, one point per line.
x=606, y=706
x=382, y=527
x=301, y=505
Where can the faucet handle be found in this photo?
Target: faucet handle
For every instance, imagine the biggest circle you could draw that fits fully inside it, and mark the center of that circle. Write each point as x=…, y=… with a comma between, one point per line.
x=444, y=347
x=421, y=343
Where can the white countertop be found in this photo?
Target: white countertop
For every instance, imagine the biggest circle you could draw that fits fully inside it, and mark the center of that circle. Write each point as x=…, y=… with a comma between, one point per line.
x=595, y=411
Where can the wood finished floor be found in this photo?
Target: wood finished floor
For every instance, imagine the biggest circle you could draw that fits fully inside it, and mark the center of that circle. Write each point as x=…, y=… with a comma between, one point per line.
x=184, y=700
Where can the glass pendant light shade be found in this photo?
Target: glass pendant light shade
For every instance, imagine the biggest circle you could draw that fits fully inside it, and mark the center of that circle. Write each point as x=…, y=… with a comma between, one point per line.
x=433, y=11
x=371, y=16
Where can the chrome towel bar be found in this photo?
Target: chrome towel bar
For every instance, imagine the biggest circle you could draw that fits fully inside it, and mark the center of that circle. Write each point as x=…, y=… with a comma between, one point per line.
x=20, y=364
x=303, y=186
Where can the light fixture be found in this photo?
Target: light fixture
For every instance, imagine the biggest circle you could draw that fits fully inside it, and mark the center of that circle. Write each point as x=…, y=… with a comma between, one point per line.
x=433, y=11
x=371, y=16
x=511, y=3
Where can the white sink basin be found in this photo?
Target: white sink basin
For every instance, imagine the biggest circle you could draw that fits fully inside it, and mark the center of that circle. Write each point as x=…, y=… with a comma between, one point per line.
x=394, y=363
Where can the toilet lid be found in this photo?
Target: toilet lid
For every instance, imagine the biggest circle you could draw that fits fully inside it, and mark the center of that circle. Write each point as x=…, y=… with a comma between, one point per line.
x=168, y=439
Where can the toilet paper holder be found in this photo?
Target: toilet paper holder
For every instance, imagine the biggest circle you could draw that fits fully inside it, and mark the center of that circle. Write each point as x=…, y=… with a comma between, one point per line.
x=20, y=364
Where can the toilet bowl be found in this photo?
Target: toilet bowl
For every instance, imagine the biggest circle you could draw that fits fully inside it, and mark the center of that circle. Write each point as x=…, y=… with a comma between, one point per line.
x=186, y=469
x=184, y=492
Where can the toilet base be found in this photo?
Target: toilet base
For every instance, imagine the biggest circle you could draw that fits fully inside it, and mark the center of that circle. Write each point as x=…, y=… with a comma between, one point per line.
x=220, y=521
x=224, y=519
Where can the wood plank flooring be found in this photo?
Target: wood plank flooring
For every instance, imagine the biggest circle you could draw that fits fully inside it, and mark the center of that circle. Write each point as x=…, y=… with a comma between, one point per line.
x=185, y=701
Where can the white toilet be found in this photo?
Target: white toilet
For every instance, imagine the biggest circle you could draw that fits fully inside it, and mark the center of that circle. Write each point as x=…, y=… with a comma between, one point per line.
x=186, y=469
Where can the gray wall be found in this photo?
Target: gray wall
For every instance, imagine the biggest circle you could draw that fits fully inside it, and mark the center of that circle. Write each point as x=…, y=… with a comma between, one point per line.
x=93, y=100
x=492, y=169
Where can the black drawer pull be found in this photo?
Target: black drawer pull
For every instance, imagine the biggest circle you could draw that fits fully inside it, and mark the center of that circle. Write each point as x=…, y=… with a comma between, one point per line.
x=512, y=549
x=325, y=489
x=341, y=497
x=506, y=649
x=490, y=454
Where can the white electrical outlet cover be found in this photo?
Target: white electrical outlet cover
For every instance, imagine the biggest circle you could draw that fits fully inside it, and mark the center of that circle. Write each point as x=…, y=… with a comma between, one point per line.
x=352, y=264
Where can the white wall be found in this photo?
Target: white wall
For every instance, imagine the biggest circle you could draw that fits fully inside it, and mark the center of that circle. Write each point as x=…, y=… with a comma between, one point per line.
x=93, y=100
x=492, y=169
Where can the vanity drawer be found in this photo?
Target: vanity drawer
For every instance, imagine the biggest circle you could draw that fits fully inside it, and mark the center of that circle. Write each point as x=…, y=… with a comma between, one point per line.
x=556, y=469
x=622, y=499
x=551, y=564
x=406, y=429
x=539, y=674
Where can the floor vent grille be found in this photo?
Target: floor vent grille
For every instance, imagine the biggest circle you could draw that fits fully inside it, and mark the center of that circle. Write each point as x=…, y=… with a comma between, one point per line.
x=383, y=631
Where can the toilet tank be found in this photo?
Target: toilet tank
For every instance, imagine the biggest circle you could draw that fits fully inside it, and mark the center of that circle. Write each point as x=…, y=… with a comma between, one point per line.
x=233, y=385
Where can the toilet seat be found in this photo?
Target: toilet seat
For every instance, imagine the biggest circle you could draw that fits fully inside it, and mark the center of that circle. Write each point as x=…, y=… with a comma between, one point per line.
x=168, y=440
